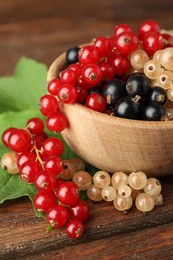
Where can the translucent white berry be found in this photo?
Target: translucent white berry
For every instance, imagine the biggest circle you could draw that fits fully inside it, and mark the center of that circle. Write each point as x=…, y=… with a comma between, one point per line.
x=137, y=180
x=101, y=179
x=166, y=58
x=9, y=162
x=153, y=187
x=109, y=193
x=152, y=68
x=158, y=199
x=144, y=202
x=118, y=179
x=124, y=191
x=122, y=204
x=94, y=193
x=138, y=59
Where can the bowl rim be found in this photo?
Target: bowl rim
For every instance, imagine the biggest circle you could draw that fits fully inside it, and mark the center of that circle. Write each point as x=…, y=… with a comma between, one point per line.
x=59, y=63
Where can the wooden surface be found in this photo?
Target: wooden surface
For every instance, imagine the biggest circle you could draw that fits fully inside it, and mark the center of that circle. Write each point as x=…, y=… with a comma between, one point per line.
x=42, y=30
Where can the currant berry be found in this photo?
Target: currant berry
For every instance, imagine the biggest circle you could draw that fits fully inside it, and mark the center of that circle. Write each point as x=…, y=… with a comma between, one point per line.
x=152, y=42
x=108, y=193
x=88, y=54
x=68, y=76
x=121, y=64
x=138, y=59
x=122, y=204
x=158, y=95
x=121, y=28
x=52, y=146
x=166, y=58
x=79, y=164
x=126, y=107
x=72, y=55
x=118, y=179
x=144, y=202
x=96, y=102
x=152, y=68
x=92, y=74
x=153, y=112
x=56, y=122
x=29, y=170
x=107, y=70
x=53, y=164
x=104, y=45
x=43, y=201
x=126, y=43
x=19, y=140
x=6, y=134
x=24, y=157
x=164, y=79
x=68, y=170
x=158, y=199
x=57, y=216
x=138, y=84
x=9, y=162
x=146, y=27
x=94, y=193
x=67, y=93
x=101, y=179
x=67, y=193
x=137, y=180
x=82, y=179
x=124, y=191
x=74, y=228
x=80, y=210
x=35, y=125
x=45, y=181
x=48, y=104
x=114, y=90
x=153, y=187
x=53, y=86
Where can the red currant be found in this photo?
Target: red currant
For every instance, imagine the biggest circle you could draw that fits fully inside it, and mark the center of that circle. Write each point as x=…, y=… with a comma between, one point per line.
x=152, y=42
x=29, y=170
x=43, y=201
x=35, y=125
x=146, y=27
x=57, y=216
x=74, y=228
x=48, y=104
x=80, y=210
x=53, y=164
x=19, y=140
x=67, y=93
x=126, y=43
x=121, y=64
x=104, y=45
x=96, y=102
x=92, y=74
x=52, y=146
x=6, y=134
x=53, y=86
x=56, y=122
x=68, y=76
x=45, y=181
x=88, y=54
x=121, y=28
x=24, y=157
x=67, y=193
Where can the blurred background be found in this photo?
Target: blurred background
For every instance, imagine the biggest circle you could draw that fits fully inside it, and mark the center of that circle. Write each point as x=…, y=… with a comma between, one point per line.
x=42, y=29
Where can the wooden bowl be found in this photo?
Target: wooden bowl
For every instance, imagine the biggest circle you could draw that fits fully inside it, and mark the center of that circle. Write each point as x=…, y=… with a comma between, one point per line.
x=116, y=144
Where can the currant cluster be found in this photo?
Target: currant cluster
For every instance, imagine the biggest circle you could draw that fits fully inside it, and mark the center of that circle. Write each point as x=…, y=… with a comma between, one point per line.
x=122, y=190
x=37, y=159
x=100, y=75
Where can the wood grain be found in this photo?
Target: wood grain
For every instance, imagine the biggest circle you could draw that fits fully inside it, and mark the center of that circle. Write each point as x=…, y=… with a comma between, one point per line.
x=42, y=30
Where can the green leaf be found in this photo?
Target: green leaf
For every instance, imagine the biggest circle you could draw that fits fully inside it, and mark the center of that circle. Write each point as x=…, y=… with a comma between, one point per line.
x=23, y=90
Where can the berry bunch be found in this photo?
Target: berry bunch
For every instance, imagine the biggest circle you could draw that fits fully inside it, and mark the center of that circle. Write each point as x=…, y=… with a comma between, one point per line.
x=37, y=159
x=101, y=75
x=123, y=189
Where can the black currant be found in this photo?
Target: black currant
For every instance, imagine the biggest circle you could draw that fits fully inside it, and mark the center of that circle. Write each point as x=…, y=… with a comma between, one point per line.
x=153, y=112
x=127, y=107
x=95, y=89
x=158, y=95
x=138, y=85
x=114, y=90
x=72, y=55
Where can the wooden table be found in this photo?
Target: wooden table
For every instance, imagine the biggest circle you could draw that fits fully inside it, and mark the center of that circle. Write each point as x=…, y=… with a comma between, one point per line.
x=42, y=30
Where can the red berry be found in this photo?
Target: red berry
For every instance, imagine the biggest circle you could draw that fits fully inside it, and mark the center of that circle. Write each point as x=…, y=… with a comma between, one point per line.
x=81, y=93
x=35, y=125
x=92, y=74
x=146, y=27
x=68, y=76
x=67, y=193
x=121, y=28
x=96, y=102
x=74, y=228
x=104, y=45
x=56, y=122
x=121, y=64
x=88, y=54
x=40, y=138
x=29, y=170
x=168, y=39
x=48, y=104
x=53, y=164
x=126, y=43
x=24, y=157
x=45, y=181
x=80, y=210
x=43, y=201
x=52, y=146
x=19, y=140
x=152, y=42
x=76, y=68
x=57, y=216
x=107, y=70
x=53, y=86
x=67, y=93
x=6, y=134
